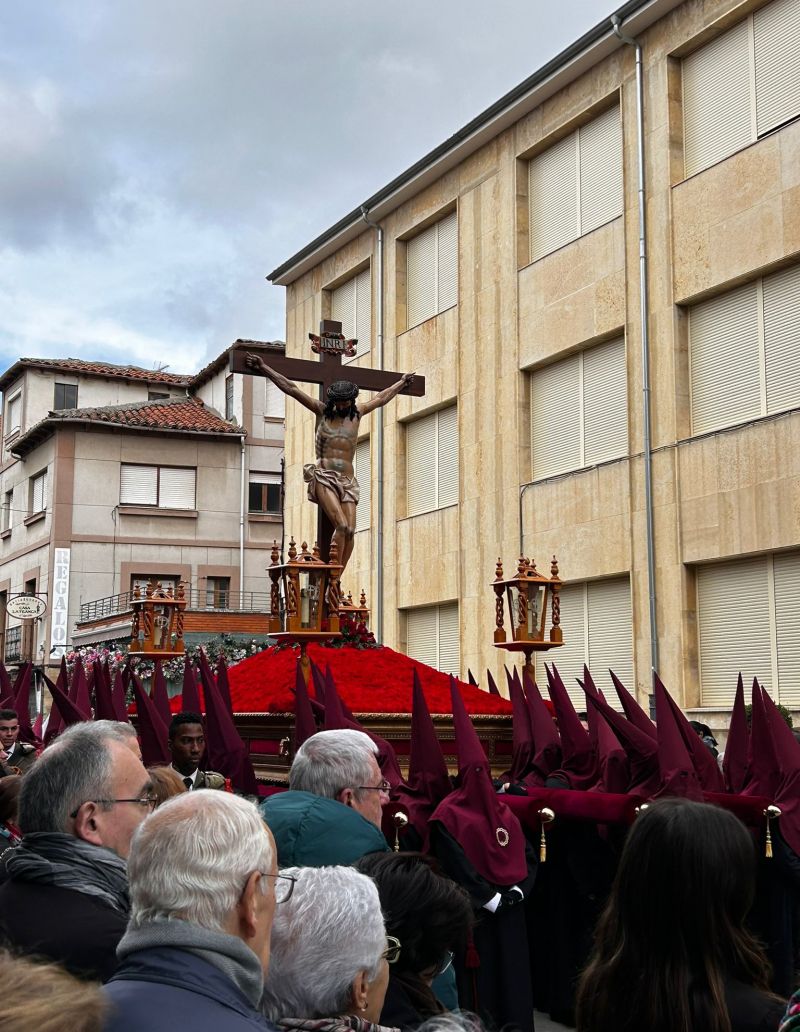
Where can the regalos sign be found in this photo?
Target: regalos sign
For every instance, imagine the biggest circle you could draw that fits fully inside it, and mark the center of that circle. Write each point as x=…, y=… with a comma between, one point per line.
x=60, y=597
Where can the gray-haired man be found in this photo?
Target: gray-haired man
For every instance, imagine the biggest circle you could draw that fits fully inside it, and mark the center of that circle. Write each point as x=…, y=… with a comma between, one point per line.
x=67, y=893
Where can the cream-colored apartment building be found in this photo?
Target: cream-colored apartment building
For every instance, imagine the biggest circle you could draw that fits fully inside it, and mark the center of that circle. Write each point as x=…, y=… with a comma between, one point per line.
x=114, y=475
x=506, y=266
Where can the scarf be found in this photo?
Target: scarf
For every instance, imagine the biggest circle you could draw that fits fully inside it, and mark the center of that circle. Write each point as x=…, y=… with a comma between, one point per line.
x=54, y=858
x=224, y=952
x=344, y=1023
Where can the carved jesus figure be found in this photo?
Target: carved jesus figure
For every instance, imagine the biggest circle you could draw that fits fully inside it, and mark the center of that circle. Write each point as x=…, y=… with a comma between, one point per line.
x=331, y=480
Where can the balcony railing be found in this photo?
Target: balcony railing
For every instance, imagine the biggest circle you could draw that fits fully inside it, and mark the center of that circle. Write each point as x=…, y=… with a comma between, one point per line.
x=216, y=600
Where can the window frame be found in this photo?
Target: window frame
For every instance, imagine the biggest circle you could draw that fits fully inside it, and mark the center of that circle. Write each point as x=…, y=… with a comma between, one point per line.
x=157, y=504
x=436, y=417
x=37, y=479
x=270, y=480
x=229, y=398
x=64, y=387
x=433, y=230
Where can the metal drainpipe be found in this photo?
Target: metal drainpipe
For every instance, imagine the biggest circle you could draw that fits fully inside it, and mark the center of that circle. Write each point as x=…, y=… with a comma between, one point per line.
x=645, y=311
x=378, y=417
x=241, y=526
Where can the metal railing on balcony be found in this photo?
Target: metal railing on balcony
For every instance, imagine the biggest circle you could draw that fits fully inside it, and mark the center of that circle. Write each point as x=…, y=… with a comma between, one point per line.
x=212, y=599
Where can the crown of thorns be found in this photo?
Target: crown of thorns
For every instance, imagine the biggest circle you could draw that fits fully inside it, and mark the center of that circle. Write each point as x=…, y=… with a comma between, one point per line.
x=342, y=390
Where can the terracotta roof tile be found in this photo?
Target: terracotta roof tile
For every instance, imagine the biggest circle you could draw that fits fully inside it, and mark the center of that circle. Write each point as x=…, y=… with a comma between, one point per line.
x=78, y=365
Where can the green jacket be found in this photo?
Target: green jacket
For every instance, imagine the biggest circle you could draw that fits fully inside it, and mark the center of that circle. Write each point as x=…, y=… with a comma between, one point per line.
x=312, y=831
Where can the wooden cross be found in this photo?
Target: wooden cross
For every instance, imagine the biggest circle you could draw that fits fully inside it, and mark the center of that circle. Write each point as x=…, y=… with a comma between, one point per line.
x=331, y=346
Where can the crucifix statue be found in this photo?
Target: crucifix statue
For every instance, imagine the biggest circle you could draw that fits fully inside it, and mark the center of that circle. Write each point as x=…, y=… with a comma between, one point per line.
x=331, y=480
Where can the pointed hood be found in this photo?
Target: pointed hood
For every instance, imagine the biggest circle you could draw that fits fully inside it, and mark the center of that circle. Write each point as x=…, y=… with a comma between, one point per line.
x=734, y=760
x=614, y=773
x=119, y=699
x=764, y=773
x=79, y=689
x=471, y=679
x=787, y=754
x=304, y=724
x=493, y=689
x=522, y=734
x=428, y=780
x=705, y=763
x=153, y=734
x=546, y=741
x=22, y=701
x=631, y=708
x=103, y=702
x=223, y=686
x=68, y=711
x=55, y=722
x=318, y=678
x=226, y=750
x=190, y=695
x=159, y=693
x=474, y=815
x=578, y=758
x=640, y=748
x=6, y=690
x=678, y=775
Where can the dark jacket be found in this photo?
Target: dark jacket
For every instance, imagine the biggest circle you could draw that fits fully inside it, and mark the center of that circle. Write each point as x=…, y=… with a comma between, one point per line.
x=313, y=831
x=79, y=931
x=165, y=989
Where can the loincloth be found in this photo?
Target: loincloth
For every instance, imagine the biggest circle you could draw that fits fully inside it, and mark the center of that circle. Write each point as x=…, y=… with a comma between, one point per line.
x=346, y=488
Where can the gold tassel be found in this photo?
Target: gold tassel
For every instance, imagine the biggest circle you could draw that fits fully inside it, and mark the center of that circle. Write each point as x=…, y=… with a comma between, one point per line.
x=400, y=821
x=546, y=815
x=770, y=813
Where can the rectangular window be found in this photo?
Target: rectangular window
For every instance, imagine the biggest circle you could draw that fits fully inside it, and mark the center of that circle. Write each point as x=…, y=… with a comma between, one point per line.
x=229, y=397
x=363, y=471
x=218, y=592
x=274, y=401
x=748, y=616
x=163, y=487
x=432, y=637
x=579, y=410
x=575, y=186
x=264, y=494
x=13, y=416
x=432, y=270
x=598, y=632
x=139, y=581
x=38, y=493
x=744, y=352
x=351, y=305
x=8, y=510
x=65, y=396
x=157, y=396
x=741, y=85
x=432, y=461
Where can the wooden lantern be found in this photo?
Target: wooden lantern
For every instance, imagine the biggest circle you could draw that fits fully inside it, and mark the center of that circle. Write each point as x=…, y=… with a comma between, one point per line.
x=157, y=623
x=358, y=612
x=526, y=595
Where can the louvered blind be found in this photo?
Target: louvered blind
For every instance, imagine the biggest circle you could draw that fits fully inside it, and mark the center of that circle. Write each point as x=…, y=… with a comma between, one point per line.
x=343, y=307
x=724, y=360
x=39, y=493
x=782, y=339
x=351, y=306
x=274, y=401
x=176, y=488
x=421, y=465
x=421, y=278
x=363, y=473
x=447, y=262
x=733, y=628
x=776, y=34
x=571, y=656
x=447, y=457
x=787, y=626
x=14, y=413
x=364, y=312
x=605, y=403
x=553, y=197
x=556, y=418
x=600, y=161
x=138, y=485
x=610, y=627
x=422, y=635
x=716, y=99
x=449, y=645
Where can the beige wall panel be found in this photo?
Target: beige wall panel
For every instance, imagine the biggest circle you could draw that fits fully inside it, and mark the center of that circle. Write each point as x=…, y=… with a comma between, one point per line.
x=427, y=558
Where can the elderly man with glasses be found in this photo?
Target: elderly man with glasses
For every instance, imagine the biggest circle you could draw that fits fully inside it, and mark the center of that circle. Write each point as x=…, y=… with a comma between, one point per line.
x=204, y=888
x=66, y=897
x=332, y=811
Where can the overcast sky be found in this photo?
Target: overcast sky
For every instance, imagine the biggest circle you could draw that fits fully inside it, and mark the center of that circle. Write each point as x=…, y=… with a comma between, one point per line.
x=159, y=157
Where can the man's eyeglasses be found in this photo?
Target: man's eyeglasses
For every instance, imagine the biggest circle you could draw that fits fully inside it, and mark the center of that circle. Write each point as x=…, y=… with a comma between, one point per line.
x=384, y=786
x=150, y=801
x=444, y=964
x=392, y=952
x=284, y=885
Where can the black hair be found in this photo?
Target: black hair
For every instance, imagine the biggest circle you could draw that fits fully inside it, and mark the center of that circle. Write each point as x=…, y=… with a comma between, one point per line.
x=673, y=929
x=185, y=717
x=9, y=714
x=331, y=411
x=9, y=797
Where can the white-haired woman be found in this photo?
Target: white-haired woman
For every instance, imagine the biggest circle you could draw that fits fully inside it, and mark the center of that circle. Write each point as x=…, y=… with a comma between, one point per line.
x=330, y=954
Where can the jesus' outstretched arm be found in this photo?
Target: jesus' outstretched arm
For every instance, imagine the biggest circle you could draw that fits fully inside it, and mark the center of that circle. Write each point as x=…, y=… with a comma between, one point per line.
x=258, y=365
x=382, y=397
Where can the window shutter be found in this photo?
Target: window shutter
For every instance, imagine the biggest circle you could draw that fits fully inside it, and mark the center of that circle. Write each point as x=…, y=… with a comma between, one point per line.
x=724, y=360
x=782, y=339
x=363, y=312
x=364, y=477
x=176, y=488
x=421, y=277
x=38, y=501
x=343, y=307
x=556, y=418
x=787, y=626
x=553, y=198
x=776, y=32
x=601, y=194
x=605, y=405
x=421, y=465
x=14, y=410
x=449, y=645
x=447, y=455
x=610, y=635
x=716, y=99
x=138, y=485
x=275, y=400
x=571, y=656
x=422, y=634
x=447, y=260
x=733, y=628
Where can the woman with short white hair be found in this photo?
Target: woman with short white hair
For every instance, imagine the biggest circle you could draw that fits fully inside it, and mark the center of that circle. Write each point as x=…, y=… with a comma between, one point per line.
x=330, y=954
